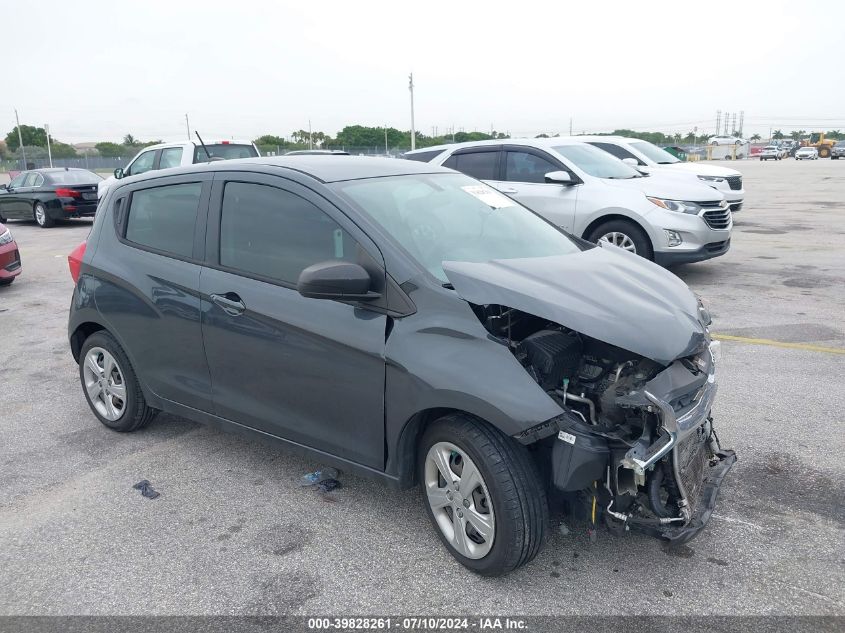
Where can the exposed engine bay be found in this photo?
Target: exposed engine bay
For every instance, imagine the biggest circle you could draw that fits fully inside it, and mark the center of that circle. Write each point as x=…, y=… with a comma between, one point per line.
x=636, y=442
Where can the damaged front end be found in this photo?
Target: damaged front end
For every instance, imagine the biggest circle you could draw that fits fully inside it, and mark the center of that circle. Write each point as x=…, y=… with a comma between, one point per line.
x=635, y=442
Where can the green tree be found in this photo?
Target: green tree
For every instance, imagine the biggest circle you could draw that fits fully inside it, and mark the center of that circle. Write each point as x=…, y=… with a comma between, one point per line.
x=130, y=140
x=110, y=149
x=32, y=136
x=756, y=137
x=778, y=135
x=62, y=150
x=834, y=134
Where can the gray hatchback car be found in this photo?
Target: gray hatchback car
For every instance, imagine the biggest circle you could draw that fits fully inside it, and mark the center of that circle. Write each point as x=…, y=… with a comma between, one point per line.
x=405, y=321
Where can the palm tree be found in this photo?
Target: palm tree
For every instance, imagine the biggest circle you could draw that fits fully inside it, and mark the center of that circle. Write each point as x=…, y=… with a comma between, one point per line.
x=777, y=135
x=130, y=140
x=835, y=134
x=756, y=137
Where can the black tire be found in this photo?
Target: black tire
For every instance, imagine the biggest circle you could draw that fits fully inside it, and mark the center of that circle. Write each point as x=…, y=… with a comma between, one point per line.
x=6, y=282
x=516, y=492
x=637, y=235
x=135, y=413
x=2, y=219
x=47, y=222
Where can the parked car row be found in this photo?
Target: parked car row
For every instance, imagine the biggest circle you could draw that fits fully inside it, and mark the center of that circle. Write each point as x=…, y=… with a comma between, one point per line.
x=670, y=215
x=403, y=321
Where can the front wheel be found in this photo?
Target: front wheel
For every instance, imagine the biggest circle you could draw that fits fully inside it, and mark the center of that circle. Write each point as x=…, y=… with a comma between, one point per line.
x=484, y=495
x=42, y=218
x=625, y=235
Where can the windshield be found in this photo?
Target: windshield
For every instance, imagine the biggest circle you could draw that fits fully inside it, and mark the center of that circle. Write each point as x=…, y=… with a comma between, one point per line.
x=73, y=177
x=596, y=162
x=451, y=217
x=224, y=150
x=652, y=152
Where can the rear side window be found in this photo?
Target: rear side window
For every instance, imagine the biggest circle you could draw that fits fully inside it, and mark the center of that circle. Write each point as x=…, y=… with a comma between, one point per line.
x=226, y=151
x=274, y=234
x=423, y=157
x=170, y=157
x=480, y=165
x=525, y=167
x=73, y=177
x=617, y=151
x=163, y=218
x=31, y=178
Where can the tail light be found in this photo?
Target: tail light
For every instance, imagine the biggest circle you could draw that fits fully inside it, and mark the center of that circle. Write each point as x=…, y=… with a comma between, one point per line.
x=74, y=260
x=68, y=193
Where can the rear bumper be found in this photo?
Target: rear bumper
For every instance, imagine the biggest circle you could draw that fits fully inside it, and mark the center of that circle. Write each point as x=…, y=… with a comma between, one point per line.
x=75, y=209
x=708, y=251
x=10, y=261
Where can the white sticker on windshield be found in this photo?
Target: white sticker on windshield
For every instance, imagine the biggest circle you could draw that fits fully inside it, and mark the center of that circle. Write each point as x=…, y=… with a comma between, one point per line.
x=488, y=196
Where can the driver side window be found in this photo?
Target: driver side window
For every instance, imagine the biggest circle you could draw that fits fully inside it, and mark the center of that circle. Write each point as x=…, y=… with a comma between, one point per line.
x=17, y=181
x=142, y=164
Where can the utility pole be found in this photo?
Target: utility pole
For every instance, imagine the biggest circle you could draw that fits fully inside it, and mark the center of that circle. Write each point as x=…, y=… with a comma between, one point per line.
x=413, y=132
x=310, y=136
x=20, y=138
x=570, y=126
x=49, y=152
x=385, y=140
x=188, y=126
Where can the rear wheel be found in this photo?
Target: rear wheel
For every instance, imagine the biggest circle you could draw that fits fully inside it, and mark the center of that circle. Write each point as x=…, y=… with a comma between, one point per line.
x=625, y=235
x=111, y=386
x=483, y=495
x=42, y=218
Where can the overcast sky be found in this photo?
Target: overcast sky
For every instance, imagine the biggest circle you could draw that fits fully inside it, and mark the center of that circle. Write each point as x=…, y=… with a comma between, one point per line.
x=98, y=70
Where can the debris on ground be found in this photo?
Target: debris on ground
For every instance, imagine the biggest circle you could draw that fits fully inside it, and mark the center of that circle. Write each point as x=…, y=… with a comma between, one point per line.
x=563, y=529
x=312, y=479
x=146, y=489
x=327, y=485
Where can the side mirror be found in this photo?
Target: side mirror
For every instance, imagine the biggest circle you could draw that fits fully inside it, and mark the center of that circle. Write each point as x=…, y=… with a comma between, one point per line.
x=559, y=178
x=4, y=186
x=337, y=280
x=118, y=173
x=631, y=162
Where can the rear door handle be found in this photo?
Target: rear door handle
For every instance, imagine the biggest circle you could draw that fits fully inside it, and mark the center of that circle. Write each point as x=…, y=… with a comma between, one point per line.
x=230, y=303
x=509, y=190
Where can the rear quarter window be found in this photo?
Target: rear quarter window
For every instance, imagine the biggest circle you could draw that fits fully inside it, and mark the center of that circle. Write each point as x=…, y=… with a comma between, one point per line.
x=164, y=218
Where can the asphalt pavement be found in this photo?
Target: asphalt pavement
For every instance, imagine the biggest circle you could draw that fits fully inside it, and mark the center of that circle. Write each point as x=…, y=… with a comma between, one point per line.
x=233, y=533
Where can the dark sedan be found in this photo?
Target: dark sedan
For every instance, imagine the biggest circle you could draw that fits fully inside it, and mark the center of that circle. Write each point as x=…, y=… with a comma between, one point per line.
x=47, y=195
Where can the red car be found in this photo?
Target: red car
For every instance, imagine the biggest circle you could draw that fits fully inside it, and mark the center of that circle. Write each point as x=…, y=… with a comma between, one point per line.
x=10, y=258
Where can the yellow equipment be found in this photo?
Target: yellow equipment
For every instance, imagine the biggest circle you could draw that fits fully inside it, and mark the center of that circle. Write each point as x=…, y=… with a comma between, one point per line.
x=821, y=144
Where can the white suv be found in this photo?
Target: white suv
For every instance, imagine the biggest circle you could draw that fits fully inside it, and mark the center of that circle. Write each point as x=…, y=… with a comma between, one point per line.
x=167, y=155
x=649, y=157
x=593, y=195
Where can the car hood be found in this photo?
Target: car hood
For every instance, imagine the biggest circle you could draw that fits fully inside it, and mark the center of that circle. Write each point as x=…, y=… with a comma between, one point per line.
x=701, y=169
x=604, y=293
x=669, y=187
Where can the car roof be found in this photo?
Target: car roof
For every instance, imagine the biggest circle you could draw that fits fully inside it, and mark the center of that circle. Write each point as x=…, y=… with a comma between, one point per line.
x=224, y=141
x=540, y=143
x=323, y=168
x=54, y=170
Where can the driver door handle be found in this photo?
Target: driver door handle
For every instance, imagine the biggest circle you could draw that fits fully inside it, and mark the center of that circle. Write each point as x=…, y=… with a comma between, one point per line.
x=509, y=190
x=230, y=303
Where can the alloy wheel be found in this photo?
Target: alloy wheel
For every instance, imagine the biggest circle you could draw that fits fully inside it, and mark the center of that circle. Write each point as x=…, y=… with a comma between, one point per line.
x=459, y=500
x=619, y=239
x=104, y=383
x=40, y=214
